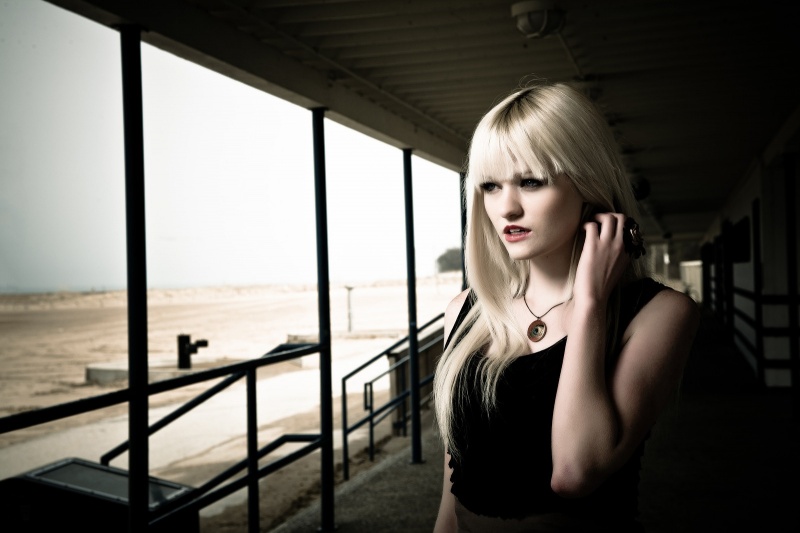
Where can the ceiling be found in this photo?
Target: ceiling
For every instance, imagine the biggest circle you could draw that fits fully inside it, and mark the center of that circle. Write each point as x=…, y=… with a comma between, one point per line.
x=694, y=90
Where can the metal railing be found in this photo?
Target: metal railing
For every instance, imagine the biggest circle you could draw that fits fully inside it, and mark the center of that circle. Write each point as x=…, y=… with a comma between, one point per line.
x=377, y=414
x=210, y=491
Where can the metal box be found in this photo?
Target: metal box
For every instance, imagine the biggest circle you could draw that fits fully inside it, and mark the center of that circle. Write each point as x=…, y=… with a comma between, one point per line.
x=89, y=497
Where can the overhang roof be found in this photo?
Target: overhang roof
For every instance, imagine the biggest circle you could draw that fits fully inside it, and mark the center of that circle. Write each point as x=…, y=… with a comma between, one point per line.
x=695, y=90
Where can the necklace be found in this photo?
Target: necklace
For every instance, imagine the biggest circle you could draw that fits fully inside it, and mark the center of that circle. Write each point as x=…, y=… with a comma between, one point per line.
x=538, y=328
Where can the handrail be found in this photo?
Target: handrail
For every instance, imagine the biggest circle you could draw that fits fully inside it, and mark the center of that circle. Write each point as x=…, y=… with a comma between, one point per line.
x=756, y=323
x=368, y=404
x=368, y=400
x=203, y=496
x=376, y=416
x=211, y=491
x=390, y=348
x=272, y=357
x=43, y=415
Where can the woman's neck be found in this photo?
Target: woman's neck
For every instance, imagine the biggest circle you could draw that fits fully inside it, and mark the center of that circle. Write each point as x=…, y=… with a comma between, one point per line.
x=548, y=280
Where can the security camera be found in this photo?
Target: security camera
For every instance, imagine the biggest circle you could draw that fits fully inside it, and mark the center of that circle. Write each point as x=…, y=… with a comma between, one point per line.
x=537, y=18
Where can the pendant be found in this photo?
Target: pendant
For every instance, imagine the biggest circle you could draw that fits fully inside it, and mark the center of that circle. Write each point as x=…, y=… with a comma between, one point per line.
x=536, y=330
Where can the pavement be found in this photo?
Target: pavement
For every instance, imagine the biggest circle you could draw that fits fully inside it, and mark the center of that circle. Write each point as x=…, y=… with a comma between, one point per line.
x=723, y=457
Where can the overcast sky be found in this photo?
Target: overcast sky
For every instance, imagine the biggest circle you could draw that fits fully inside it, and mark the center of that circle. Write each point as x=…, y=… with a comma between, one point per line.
x=229, y=173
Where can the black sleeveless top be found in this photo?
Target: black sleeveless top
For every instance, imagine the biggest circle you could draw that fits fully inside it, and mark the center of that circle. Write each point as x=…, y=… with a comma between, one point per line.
x=505, y=461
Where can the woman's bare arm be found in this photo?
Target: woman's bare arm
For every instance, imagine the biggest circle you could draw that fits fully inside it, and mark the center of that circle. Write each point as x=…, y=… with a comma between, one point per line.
x=599, y=420
x=446, y=520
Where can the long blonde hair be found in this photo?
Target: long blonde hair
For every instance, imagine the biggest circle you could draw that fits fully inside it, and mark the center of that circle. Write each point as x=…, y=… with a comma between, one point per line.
x=555, y=130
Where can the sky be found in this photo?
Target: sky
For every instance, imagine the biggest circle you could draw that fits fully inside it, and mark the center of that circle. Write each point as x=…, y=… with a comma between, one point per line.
x=228, y=174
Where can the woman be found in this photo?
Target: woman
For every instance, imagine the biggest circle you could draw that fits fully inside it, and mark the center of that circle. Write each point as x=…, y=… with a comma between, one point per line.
x=562, y=352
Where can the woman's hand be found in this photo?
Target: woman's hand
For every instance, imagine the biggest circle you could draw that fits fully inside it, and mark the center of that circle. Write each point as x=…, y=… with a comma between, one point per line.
x=603, y=259
x=600, y=418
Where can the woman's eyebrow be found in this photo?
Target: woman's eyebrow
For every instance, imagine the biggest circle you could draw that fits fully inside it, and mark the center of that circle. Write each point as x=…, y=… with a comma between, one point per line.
x=525, y=175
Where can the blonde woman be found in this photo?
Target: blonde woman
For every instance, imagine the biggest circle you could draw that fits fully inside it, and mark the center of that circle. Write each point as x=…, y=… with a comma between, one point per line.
x=562, y=352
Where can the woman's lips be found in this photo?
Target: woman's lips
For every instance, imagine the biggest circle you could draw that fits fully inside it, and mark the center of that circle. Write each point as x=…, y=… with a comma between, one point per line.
x=515, y=233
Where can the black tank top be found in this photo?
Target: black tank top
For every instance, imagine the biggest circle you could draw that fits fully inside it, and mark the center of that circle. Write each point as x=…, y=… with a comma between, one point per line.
x=505, y=461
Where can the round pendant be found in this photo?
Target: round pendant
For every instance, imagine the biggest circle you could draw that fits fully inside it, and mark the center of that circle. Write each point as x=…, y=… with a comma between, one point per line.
x=536, y=330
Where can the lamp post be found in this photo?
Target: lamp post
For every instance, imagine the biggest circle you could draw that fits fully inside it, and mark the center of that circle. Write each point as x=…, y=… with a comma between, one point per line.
x=349, y=308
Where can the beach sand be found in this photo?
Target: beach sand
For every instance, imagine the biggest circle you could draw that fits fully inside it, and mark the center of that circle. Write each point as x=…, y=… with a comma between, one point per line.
x=49, y=340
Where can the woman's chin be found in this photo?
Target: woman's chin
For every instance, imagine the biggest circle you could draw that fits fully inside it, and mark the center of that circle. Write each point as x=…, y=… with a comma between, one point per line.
x=518, y=255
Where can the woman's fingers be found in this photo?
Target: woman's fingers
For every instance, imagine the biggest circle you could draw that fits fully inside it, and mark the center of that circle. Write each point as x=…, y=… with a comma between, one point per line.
x=606, y=228
x=603, y=259
x=592, y=229
x=610, y=225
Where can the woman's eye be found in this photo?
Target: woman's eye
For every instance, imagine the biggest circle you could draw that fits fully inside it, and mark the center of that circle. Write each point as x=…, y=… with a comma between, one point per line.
x=489, y=186
x=530, y=183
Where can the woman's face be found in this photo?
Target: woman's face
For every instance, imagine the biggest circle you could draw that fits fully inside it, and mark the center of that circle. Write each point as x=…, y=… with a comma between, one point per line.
x=532, y=218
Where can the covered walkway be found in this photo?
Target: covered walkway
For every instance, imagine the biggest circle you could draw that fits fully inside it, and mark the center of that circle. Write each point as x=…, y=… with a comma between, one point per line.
x=418, y=75
x=721, y=459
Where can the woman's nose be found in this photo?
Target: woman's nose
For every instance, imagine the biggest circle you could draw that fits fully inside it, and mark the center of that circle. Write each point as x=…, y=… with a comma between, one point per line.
x=510, y=207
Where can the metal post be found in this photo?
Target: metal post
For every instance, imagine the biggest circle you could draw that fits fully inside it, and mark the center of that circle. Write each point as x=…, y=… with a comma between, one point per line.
x=345, y=448
x=758, y=289
x=727, y=275
x=184, y=357
x=253, y=499
x=790, y=195
x=323, y=294
x=403, y=406
x=138, y=457
x=707, y=256
x=413, y=355
x=462, y=194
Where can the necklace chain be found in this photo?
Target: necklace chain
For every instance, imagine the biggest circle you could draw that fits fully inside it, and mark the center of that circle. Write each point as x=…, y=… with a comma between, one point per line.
x=534, y=314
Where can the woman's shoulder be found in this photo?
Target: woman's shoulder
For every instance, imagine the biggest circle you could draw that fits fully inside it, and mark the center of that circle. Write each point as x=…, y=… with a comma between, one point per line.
x=675, y=303
x=453, y=311
x=642, y=288
x=656, y=305
x=635, y=295
x=455, y=305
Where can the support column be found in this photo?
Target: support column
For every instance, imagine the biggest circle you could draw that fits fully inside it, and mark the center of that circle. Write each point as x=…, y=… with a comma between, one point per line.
x=413, y=350
x=138, y=462
x=323, y=294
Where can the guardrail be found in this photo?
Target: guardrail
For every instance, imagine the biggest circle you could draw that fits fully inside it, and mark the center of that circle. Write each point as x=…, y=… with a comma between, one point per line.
x=377, y=414
x=209, y=492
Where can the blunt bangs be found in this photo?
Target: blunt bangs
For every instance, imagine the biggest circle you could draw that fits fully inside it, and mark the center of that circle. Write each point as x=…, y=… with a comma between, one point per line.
x=513, y=132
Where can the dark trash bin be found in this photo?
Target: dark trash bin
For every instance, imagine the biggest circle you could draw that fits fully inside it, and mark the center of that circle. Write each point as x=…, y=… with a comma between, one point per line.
x=78, y=495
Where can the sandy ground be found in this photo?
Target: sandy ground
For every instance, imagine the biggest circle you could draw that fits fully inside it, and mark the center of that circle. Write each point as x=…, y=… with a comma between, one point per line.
x=49, y=340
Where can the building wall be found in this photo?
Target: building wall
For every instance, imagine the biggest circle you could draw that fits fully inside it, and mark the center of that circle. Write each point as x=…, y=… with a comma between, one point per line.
x=754, y=301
